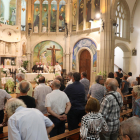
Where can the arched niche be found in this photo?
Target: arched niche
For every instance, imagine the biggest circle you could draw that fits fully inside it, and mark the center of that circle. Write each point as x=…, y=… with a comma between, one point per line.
x=41, y=52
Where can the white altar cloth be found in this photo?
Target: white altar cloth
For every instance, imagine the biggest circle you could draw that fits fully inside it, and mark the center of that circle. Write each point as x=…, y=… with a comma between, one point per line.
x=30, y=76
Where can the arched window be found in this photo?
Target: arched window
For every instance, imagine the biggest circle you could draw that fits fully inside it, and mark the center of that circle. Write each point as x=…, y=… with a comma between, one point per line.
x=1, y=12
x=23, y=15
x=74, y=15
x=81, y=14
x=62, y=16
x=122, y=19
x=45, y=16
x=53, y=16
x=88, y=13
x=36, y=15
x=12, y=12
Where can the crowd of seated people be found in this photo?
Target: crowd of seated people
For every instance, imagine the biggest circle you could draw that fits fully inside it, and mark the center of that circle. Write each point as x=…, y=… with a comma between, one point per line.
x=97, y=107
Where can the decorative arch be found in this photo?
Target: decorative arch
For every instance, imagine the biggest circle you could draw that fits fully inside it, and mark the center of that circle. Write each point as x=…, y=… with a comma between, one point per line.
x=127, y=16
x=82, y=44
x=123, y=46
x=40, y=52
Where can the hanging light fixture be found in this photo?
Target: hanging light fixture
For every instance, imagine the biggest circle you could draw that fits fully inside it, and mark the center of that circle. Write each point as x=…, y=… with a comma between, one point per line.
x=45, y=9
x=62, y=9
x=53, y=9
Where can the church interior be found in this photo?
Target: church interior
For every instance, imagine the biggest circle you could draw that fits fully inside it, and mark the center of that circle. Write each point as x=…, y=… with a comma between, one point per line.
x=53, y=38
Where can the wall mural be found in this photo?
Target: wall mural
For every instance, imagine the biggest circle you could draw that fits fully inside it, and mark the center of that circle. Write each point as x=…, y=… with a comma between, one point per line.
x=85, y=43
x=41, y=53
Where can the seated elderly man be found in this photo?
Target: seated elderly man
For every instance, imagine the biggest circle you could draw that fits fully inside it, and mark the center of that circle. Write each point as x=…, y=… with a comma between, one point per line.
x=24, y=88
x=130, y=129
x=26, y=123
x=21, y=77
x=97, y=90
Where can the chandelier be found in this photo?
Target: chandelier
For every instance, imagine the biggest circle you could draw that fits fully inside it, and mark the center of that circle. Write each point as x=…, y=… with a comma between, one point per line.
x=36, y=9
x=53, y=9
x=62, y=9
x=45, y=9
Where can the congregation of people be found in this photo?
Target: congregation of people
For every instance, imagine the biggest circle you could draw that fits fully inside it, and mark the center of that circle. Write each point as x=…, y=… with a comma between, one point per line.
x=40, y=113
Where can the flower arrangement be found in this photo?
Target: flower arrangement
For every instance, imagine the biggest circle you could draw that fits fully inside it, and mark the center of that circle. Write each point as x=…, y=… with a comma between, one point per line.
x=22, y=70
x=9, y=86
x=5, y=71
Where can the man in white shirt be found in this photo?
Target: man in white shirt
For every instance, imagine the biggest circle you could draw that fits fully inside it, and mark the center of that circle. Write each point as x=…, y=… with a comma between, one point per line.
x=130, y=80
x=58, y=69
x=58, y=106
x=70, y=78
x=40, y=93
x=3, y=95
x=26, y=123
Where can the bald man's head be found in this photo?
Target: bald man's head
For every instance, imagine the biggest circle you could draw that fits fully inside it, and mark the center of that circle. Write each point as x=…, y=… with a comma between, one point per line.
x=24, y=87
x=56, y=84
x=41, y=79
x=111, y=84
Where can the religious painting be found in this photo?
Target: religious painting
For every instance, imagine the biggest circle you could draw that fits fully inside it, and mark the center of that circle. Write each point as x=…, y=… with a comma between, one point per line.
x=45, y=16
x=85, y=43
x=88, y=13
x=81, y=12
x=62, y=16
x=47, y=52
x=36, y=14
x=74, y=15
x=1, y=12
x=12, y=13
x=23, y=15
x=53, y=16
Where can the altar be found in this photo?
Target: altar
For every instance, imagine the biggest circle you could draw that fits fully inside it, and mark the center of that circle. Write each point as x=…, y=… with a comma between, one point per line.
x=30, y=76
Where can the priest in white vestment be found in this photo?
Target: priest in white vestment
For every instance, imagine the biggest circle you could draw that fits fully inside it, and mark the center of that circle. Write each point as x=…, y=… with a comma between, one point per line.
x=58, y=69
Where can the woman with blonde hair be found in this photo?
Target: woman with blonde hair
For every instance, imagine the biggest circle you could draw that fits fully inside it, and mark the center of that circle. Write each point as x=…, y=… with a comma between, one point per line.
x=136, y=95
x=93, y=122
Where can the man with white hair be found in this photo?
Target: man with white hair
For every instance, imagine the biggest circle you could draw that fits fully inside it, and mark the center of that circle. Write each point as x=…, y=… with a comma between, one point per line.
x=26, y=123
x=110, y=109
x=58, y=106
x=130, y=129
x=97, y=90
x=21, y=77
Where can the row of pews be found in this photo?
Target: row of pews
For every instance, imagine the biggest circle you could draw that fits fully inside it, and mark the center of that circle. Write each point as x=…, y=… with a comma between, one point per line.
x=75, y=134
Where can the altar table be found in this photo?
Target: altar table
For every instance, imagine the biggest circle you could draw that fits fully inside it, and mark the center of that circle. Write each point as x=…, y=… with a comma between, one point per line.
x=30, y=76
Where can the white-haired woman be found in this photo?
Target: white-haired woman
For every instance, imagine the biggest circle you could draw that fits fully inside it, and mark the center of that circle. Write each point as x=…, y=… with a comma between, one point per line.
x=136, y=95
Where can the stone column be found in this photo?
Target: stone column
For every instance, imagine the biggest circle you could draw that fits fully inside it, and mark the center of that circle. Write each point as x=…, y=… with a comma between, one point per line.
x=18, y=13
x=106, y=39
x=40, y=18
x=57, y=20
x=49, y=15
x=84, y=16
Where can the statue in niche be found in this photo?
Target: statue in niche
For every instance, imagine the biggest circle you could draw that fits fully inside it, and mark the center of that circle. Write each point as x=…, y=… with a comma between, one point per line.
x=24, y=49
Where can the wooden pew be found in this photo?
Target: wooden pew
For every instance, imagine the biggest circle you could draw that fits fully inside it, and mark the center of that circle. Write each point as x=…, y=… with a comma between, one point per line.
x=124, y=113
x=4, y=136
x=72, y=135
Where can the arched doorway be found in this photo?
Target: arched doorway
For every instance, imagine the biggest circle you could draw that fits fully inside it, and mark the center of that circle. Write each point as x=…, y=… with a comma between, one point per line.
x=85, y=63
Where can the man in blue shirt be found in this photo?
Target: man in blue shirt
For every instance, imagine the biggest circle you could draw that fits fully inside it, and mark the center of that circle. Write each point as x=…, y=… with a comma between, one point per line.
x=76, y=94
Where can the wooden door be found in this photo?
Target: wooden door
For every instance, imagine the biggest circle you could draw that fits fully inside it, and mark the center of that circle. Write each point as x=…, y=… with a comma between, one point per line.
x=85, y=63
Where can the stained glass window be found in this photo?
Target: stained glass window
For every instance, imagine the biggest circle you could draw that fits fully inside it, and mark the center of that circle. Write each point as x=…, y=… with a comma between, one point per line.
x=74, y=15
x=53, y=16
x=45, y=16
x=36, y=15
x=23, y=15
x=81, y=11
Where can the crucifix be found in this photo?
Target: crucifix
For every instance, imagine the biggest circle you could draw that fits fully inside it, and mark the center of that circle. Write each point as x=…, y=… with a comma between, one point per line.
x=53, y=54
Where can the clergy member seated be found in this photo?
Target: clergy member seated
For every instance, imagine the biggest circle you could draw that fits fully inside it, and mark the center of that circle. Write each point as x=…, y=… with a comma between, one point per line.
x=40, y=93
x=58, y=69
x=24, y=88
x=58, y=106
x=40, y=68
x=76, y=94
x=34, y=69
x=26, y=123
x=130, y=129
x=45, y=68
x=21, y=77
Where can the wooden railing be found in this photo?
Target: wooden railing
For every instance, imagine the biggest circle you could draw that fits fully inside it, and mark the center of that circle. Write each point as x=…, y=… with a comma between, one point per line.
x=122, y=70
